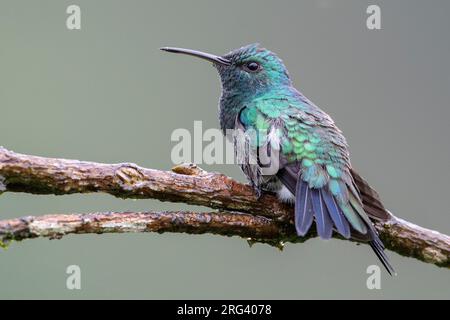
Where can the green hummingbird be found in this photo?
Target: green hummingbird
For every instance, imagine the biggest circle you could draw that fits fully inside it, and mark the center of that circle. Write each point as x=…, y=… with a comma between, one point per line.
x=313, y=169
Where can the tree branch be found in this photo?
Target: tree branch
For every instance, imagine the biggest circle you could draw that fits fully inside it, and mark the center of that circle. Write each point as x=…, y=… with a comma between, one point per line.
x=187, y=183
x=222, y=223
x=263, y=220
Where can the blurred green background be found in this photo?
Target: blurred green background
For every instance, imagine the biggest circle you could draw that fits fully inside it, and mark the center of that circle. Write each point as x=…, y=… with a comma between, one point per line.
x=106, y=93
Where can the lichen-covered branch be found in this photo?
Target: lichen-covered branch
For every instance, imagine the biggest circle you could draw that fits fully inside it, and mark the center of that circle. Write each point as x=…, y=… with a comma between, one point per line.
x=222, y=223
x=187, y=183
x=242, y=214
x=411, y=240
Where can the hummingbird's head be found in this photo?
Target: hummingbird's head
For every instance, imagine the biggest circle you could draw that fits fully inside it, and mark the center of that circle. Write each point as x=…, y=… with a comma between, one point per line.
x=250, y=69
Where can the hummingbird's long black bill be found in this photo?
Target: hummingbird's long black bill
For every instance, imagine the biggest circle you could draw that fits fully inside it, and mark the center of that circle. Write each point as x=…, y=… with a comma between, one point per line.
x=203, y=55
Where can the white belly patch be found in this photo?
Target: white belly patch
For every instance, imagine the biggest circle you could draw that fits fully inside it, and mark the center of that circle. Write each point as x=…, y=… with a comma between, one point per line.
x=285, y=195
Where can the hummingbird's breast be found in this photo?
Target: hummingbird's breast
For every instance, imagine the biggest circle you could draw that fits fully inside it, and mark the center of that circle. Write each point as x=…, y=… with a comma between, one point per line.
x=230, y=104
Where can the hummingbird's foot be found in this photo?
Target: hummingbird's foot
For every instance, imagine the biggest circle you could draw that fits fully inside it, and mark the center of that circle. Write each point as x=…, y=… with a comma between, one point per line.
x=258, y=192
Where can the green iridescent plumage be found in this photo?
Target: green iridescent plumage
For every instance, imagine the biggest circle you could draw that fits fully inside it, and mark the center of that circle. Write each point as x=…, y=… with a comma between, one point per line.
x=311, y=153
x=323, y=156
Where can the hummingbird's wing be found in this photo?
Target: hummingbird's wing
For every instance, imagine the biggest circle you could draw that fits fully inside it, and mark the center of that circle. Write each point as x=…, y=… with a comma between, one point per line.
x=314, y=164
x=370, y=198
x=257, y=150
x=246, y=155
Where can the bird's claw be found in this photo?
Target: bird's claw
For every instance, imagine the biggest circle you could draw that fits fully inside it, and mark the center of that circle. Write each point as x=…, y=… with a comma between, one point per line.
x=258, y=192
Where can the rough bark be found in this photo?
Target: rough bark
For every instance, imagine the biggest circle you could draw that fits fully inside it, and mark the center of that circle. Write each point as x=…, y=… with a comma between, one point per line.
x=242, y=214
x=55, y=226
x=186, y=183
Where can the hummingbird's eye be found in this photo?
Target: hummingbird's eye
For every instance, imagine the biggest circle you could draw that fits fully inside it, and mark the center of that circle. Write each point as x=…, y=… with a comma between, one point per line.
x=252, y=66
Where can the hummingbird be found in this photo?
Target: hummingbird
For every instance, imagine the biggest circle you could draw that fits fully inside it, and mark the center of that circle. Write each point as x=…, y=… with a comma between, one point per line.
x=313, y=170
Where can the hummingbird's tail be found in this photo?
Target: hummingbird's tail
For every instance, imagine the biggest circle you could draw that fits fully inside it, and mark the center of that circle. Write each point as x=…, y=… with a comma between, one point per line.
x=340, y=208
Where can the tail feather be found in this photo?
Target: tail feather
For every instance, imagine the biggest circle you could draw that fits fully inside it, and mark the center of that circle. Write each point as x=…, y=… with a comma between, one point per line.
x=346, y=210
x=353, y=218
x=324, y=223
x=336, y=214
x=303, y=208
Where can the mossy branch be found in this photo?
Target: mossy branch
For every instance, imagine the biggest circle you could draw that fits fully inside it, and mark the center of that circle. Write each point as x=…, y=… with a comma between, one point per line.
x=241, y=213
